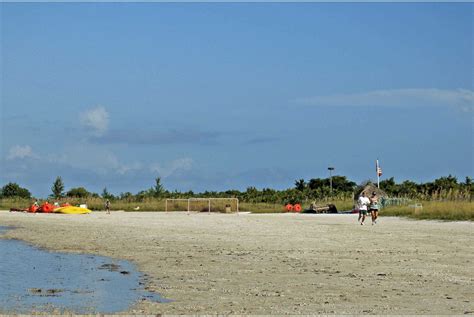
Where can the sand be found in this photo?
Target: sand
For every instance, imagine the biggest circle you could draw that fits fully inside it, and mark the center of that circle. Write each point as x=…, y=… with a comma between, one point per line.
x=274, y=263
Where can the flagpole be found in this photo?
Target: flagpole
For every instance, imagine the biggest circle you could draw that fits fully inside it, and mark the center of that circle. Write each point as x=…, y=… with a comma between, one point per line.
x=377, y=172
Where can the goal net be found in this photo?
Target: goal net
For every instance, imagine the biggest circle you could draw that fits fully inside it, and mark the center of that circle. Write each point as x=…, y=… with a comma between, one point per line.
x=224, y=205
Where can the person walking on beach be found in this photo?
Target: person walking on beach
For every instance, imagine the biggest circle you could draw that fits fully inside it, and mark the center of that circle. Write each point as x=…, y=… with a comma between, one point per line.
x=374, y=207
x=107, y=206
x=362, y=202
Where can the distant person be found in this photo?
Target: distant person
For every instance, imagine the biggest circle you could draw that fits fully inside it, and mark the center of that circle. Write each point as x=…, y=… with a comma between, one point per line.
x=36, y=203
x=374, y=207
x=362, y=202
x=107, y=206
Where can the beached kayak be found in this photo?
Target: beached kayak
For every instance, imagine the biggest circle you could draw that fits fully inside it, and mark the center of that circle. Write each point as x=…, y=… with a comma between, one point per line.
x=72, y=210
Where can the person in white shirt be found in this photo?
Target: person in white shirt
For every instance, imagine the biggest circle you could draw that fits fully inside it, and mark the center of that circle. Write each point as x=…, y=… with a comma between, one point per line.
x=362, y=202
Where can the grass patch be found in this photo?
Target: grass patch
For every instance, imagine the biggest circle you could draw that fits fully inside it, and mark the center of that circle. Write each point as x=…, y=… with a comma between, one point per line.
x=441, y=210
x=261, y=208
x=15, y=202
x=341, y=205
x=92, y=203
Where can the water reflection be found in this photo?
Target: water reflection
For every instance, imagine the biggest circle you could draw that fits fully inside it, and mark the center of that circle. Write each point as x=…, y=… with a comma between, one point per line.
x=36, y=280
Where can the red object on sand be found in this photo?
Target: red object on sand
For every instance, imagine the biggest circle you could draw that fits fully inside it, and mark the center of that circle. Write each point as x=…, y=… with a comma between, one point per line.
x=46, y=207
x=297, y=208
x=289, y=207
x=33, y=208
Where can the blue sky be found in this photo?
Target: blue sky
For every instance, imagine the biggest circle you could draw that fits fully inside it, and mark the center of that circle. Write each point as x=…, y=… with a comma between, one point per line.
x=224, y=96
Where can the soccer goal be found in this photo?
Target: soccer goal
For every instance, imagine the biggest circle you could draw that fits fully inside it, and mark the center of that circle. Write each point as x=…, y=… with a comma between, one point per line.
x=224, y=205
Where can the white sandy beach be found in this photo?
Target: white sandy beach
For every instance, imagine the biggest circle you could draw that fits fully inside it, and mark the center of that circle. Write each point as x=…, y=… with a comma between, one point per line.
x=274, y=263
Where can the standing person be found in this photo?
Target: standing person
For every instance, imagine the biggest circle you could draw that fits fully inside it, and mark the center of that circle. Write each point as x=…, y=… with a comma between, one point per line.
x=374, y=207
x=107, y=206
x=363, y=202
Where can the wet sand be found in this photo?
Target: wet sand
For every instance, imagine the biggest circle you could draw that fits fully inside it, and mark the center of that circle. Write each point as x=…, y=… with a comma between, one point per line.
x=274, y=263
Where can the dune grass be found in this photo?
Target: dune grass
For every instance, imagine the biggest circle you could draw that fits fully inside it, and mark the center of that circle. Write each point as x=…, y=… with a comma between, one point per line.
x=92, y=203
x=441, y=210
x=15, y=202
x=153, y=204
x=261, y=208
x=341, y=205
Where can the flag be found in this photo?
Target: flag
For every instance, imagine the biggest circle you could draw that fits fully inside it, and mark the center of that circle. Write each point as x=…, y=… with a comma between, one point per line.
x=378, y=170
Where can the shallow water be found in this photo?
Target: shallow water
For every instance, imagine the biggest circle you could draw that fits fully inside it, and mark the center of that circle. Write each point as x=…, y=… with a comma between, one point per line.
x=36, y=280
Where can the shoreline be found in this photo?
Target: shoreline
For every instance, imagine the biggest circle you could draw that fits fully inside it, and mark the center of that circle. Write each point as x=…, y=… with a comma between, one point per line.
x=272, y=263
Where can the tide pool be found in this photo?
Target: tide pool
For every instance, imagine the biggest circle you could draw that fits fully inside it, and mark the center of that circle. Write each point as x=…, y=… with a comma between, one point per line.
x=37, y=280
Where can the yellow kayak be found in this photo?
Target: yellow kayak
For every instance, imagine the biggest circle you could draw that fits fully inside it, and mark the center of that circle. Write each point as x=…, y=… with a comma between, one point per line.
x=72, y=210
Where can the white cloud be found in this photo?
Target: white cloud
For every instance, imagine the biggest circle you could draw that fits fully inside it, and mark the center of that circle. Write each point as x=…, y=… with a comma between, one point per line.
x=97, y=119
x=181, y=164
x=461, y=98
x=92, y=158
x=123, y=169
x=95, y=159
x=21, y=152
x=87, y=157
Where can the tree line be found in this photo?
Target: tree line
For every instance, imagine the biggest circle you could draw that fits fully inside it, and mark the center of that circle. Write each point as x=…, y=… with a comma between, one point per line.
x=339, y=187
